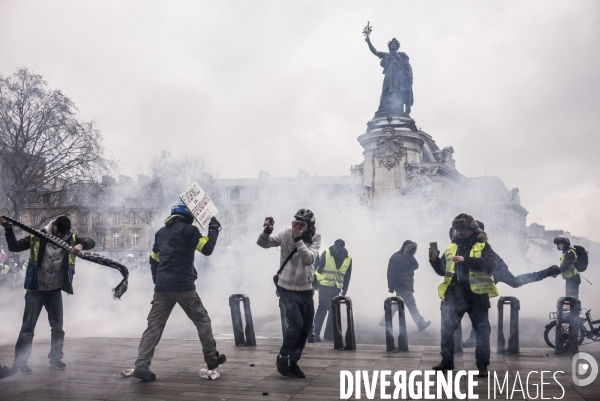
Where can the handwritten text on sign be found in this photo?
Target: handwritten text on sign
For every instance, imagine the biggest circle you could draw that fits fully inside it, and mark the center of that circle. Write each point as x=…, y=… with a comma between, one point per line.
x=199, y=204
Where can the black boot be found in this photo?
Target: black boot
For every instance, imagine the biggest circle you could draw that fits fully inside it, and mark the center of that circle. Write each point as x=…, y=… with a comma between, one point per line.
x=283, y=365
x=443, y=366
x=295, y=371
x=222, y=359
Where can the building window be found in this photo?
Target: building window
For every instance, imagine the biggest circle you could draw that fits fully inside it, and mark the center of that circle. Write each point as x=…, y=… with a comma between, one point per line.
x=136, y=219
x=134, y=239
x=223, y=238
x=241, y=217
x=116, y=220
x=242, y=236
x=36, y=219
x=99, y=238
x=116, y=239
x=245, y=194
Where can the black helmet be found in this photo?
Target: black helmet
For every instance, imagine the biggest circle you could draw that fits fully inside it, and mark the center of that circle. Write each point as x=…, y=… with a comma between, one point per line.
x=562, y=240
x=306, y=215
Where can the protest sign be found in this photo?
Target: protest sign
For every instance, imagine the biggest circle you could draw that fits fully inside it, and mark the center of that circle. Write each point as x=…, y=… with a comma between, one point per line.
x=199, y=204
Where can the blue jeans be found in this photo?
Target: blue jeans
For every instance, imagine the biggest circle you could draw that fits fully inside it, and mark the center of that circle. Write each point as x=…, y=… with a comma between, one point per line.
x=34, y=302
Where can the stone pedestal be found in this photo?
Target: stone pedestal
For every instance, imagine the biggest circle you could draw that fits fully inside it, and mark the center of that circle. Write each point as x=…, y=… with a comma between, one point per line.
x=390, y=143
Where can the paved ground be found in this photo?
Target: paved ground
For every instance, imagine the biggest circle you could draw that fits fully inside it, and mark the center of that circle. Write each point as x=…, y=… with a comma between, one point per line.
x=94, y=365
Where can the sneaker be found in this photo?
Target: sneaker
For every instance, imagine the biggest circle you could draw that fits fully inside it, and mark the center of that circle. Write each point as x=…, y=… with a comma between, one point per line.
x=22, y=369
x=58, y=365
x=483, y=372
x=443, y=366
x=222, y=359
x=295, y=371
x=283, y=365
x=424, y=325
x=470, y=343
x=146, y=376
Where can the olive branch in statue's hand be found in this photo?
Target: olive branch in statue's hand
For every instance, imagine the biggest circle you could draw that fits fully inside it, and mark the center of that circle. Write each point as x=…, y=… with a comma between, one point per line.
x=367, y=31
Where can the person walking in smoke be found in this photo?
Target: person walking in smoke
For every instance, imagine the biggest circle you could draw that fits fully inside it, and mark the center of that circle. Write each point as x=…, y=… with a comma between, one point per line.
x=567, y=268
x=299, y=248
x=503, y=275
x=50, y=270
x=332, y=276
x=467, y=265
x=401, y=279
x=174, y=276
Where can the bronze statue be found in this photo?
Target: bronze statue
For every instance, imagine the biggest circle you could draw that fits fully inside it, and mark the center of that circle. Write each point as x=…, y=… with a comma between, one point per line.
x=397, y=94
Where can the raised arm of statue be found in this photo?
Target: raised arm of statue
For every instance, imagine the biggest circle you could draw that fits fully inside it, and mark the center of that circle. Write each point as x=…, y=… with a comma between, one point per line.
x=373, y=50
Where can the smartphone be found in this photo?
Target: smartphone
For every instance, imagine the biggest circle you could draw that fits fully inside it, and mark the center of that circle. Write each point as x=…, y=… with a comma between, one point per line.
x=434, y=249
x=269, y=222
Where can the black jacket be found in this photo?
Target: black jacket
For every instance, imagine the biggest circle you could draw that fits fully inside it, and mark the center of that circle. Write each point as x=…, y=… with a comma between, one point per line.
x=172, y=260
x=31, y=275
x=401, y=271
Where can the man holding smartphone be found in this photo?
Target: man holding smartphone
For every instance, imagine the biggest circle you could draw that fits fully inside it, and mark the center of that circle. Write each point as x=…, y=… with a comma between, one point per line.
x=299, y=248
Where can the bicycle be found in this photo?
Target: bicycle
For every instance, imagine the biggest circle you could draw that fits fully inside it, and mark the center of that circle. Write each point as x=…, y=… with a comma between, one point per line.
x=593, y=333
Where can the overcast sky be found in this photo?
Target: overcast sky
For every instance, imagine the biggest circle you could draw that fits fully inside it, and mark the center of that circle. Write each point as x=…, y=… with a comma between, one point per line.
x=279, y=86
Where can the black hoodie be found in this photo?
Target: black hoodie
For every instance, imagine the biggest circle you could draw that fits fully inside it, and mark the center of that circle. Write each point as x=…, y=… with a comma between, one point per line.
x=401, y=270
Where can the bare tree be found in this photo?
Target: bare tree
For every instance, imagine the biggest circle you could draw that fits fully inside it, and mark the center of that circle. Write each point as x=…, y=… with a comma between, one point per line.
x=45, y=150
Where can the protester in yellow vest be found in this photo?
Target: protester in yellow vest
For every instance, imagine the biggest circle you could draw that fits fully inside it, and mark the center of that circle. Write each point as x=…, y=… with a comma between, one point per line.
x=568, y=271
x=333, y=276
x=467, y=265
x=50, y=270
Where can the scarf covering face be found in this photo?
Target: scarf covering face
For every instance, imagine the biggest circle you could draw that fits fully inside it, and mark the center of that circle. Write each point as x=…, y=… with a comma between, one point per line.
x=118, y=291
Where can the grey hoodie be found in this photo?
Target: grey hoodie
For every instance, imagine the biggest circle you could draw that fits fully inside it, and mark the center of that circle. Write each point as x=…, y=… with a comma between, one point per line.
x=298, y=273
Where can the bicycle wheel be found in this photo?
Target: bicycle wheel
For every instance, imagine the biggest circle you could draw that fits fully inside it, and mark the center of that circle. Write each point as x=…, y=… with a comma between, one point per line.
x=550, y=334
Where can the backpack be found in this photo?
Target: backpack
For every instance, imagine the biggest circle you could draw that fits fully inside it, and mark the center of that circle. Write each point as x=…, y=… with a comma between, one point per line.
x=582, y=258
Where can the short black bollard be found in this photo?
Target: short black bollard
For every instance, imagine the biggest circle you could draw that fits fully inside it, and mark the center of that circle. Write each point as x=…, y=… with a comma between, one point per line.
x=284, y=320
x=513, y=335
x=236, y=318
x=389, y=328
x=569, y=344
x=338, y=339
x=458, y=341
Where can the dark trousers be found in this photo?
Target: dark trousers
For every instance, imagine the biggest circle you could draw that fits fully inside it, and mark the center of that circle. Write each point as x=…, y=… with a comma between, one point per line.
x=299, y=310
x=324, y=309
x=162, y=305
x=572, y=286
x=34, y=302
x=457, y=302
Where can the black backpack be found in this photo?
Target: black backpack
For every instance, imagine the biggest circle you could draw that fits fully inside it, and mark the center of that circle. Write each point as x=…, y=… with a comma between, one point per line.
x=582, y=258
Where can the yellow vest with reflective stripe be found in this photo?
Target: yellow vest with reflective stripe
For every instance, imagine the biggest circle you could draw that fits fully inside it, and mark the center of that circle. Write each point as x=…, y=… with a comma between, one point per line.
x=34, y=251
x=332, y=276
x=573, y=270
x=480, y=282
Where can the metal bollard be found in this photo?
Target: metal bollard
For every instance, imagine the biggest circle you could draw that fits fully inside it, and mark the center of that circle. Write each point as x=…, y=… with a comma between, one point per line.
x=458, y=339
x=389, y=328
x=284, y=320
x=570, y=344
x=338, y=340
x=513, y=336
x=248, y=339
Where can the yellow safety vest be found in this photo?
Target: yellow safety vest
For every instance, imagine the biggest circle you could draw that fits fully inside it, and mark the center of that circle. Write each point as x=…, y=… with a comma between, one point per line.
x=332, y=276
x=480, y=282
x=573, y=270
x=34, y=251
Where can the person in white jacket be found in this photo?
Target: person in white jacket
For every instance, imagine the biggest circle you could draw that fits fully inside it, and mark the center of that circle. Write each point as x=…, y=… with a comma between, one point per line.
x=299, y=249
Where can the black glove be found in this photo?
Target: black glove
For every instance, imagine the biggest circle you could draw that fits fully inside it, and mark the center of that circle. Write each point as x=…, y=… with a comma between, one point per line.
x=552, y=271
x=214, y=224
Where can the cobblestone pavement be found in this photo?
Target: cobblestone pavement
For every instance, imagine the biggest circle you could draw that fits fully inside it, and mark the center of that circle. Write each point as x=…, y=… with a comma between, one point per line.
x=93, y=366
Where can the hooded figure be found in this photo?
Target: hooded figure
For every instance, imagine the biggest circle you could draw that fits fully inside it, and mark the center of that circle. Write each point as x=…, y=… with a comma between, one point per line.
x=400, y=276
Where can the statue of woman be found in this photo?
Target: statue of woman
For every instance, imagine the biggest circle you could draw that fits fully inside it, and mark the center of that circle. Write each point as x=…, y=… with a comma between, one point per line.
x=397, y=94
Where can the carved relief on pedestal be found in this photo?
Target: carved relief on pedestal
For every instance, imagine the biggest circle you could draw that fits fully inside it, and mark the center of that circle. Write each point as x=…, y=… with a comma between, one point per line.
x=414, y=169
x=389, y=151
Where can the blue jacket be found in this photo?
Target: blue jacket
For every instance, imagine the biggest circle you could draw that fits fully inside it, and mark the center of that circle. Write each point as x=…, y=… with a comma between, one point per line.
x=172, y=258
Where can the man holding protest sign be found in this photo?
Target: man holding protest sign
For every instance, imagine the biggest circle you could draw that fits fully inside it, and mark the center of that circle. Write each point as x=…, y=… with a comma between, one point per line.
x=174, y=276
